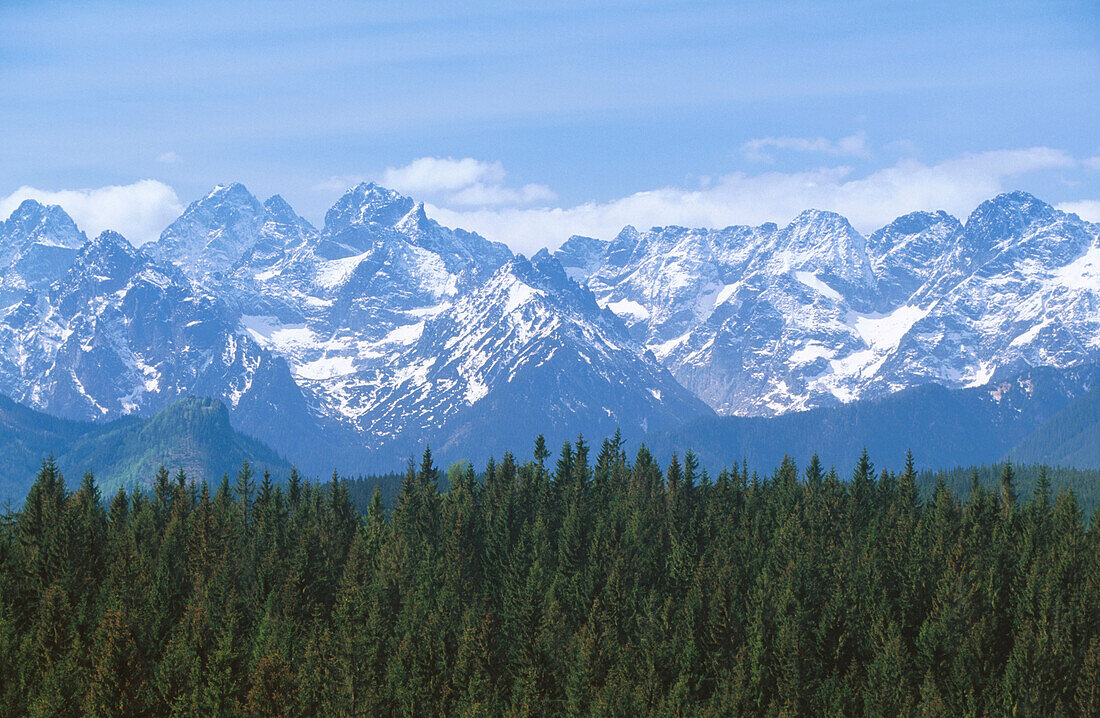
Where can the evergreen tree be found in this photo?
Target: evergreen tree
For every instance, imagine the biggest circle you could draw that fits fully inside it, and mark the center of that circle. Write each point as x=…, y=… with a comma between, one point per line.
x=600, y=587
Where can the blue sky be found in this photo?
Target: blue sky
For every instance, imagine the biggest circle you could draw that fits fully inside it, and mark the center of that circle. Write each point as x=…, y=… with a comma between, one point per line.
x=532, y=124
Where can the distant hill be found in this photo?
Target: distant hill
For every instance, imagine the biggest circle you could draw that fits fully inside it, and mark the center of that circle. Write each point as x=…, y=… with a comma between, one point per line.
x=1070, y=438
x=193, y=434
x=1041, y=416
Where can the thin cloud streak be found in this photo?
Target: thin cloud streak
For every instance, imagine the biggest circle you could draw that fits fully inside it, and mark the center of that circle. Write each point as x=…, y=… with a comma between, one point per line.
x=758, y=150
x=465, y=182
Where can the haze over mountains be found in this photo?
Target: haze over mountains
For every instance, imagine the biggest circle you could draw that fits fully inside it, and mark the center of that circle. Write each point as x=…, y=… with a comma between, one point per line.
x=353, y=344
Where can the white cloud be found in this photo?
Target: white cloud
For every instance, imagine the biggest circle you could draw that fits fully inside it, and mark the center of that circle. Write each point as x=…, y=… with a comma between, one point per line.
x=465, y=182
x=868, y=201
x=1092, y=163
x=850, y=146
x=138, y=211
x=482, y=195
x=439, y=174
x=473, y=195
x=1086, y=209
x=169, y=158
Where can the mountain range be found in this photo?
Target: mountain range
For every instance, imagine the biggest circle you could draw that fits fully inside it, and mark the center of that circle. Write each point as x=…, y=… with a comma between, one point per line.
x=353, y=344
x=760, y=321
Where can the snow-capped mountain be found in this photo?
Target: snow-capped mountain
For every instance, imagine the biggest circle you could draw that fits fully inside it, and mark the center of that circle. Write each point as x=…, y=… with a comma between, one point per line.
x=215, y=233
x=765, y=320
x=356, y=342
x=120, y=333
x=404, y=330
x=37, y=245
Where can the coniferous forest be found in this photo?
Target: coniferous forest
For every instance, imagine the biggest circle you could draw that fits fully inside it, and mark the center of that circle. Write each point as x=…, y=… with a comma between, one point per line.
x=594, y=583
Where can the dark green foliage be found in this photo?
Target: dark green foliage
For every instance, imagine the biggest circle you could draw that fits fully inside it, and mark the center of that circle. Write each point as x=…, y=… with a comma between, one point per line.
x=567, y=586
x=191, y=434
x=1085, y=484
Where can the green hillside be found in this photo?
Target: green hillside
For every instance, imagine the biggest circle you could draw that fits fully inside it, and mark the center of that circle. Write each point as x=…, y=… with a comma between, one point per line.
x=192, y=434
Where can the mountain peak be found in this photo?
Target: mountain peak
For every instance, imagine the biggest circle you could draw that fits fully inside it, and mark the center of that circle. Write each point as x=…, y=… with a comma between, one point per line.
x=109, y=256
x=627, y=234
x=824, y=243
x=32, y=217
x=622, y=247
x=28, y=208
x=368, y=203
x=224, y=204
x=918, y=222
x=581, y=256
x=233, y=189
x=929, y=225
x=276, y=205
x=213, y=232
x=38, y=243
x=820, y=218
x=109, y=241
x=1008, y=213
x=1017, y=197
x=416, y=217
x=813, y=227
x=281, y=211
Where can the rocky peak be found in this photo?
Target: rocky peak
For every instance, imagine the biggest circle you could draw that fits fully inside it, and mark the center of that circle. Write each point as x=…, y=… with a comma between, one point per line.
x=905, y=228
x=214, y=232
x=1006, y=215
x=622, y=248
x=108, y=258
x=281, y=212
x=823, y=243
x=34, y=222
x=226, y=201
x=581, y=255
x=367, y=204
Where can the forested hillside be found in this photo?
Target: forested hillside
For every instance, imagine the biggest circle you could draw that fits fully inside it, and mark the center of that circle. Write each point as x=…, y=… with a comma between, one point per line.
x=1041, y=416
x=192, y=434
x=1085, y=484
x=1071, y=437
x=584, y=585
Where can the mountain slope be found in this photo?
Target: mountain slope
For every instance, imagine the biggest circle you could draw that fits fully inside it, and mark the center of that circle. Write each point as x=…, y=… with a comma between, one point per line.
x=943, y=427
x=215, y=233
x=1070, y=438
x=350, y=345
x=37, y=244
x=354, y=344
x=119, y=333
x=191, y=434
x=530, y=333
